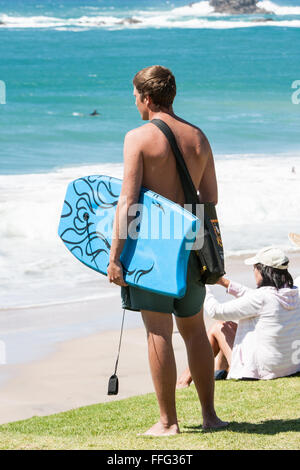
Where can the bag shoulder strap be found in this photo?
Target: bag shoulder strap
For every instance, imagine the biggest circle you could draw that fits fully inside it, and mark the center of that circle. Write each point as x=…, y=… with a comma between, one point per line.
x=189, y=189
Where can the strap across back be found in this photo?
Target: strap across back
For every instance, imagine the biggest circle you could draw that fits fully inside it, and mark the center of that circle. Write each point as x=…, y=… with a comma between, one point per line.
x=188, y=187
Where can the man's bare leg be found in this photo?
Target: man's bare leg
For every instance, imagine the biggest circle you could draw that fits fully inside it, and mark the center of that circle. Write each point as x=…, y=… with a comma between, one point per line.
x=159, y=328
x=201, y=365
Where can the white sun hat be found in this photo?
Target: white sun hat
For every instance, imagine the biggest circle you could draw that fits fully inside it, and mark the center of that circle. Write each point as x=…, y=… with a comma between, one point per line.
x=270, y=256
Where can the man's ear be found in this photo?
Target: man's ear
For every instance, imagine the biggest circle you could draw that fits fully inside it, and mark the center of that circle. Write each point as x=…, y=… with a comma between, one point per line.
x=148, y=100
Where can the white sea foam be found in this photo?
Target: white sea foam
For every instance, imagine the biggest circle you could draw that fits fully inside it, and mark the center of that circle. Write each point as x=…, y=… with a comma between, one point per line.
x=35, y=267
x=258, y=201
x=193, y=9
x=279, y=9
x=30, y=21
x=258, y=205
x=199, y=15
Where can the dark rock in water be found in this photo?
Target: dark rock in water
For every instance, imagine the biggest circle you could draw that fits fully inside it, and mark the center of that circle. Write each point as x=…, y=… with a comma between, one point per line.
x=129, y=20
x=261, y=20
x=236, y=7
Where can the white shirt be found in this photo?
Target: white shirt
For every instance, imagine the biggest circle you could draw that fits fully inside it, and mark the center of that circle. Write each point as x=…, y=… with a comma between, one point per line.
x=267, y=341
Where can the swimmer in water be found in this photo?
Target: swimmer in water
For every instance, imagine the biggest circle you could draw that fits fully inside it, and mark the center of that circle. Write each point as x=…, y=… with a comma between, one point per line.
x=95, y=113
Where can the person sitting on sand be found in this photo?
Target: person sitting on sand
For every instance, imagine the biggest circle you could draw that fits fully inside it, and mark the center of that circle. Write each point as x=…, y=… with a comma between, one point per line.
x=257, y=334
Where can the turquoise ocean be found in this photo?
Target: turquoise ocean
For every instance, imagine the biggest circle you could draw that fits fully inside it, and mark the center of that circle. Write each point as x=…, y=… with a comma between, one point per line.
x=237, y=78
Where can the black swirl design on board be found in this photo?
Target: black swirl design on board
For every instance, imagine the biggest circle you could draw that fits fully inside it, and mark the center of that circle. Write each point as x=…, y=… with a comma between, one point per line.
x=77, y=248
x=137, y=273
x=89, y=251
x=73, y=237
x=83, y=187
x=69, y=209
x=142, y=272
x=103, y=204
x=129, y=273
x=81, y=236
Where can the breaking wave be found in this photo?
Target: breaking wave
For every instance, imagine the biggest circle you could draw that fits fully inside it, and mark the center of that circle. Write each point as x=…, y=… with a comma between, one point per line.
x=36, y=268
x=199, y=15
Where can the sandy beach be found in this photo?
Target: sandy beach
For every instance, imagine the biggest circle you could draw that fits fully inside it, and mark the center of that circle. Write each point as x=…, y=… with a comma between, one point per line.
x=75, y=372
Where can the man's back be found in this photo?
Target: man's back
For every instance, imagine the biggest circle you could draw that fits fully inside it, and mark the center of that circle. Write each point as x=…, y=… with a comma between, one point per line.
x=159, y=165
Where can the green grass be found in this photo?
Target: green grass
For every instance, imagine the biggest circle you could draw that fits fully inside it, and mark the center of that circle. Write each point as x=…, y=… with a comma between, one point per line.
x=263, y=415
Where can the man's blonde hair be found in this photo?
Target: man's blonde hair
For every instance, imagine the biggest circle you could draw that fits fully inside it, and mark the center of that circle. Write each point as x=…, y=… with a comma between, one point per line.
x=157, y=82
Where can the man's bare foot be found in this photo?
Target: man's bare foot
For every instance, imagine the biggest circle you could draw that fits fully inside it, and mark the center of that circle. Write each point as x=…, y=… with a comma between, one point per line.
x=210, y=424
x=160, y=430
x=184, y=380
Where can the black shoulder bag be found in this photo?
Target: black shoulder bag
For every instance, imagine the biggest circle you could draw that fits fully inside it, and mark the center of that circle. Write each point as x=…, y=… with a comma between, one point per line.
x=211, y=255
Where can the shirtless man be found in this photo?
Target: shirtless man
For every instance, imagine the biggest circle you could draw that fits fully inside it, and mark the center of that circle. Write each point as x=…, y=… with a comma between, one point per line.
x=149, y=162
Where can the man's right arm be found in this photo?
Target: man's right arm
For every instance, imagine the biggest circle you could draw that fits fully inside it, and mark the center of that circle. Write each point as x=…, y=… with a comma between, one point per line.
x=208, y=188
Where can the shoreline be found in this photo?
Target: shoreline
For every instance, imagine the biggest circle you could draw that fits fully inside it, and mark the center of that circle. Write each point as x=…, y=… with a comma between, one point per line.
x=76, y=167
x=74, y=353
x=232, y=260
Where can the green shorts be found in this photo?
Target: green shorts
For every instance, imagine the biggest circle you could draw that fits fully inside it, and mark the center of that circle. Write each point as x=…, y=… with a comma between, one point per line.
x=134, y=298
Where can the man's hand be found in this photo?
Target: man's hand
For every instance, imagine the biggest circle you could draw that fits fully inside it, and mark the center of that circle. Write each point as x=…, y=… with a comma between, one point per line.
x=115, y=273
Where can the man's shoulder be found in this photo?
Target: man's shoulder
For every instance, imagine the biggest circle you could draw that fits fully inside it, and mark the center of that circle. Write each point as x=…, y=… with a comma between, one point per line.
x=195, y=137
x=139, y=131
x=144, y=135
x=141, y=135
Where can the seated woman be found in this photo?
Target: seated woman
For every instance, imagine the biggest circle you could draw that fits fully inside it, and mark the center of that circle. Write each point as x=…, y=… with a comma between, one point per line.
x=257, y=334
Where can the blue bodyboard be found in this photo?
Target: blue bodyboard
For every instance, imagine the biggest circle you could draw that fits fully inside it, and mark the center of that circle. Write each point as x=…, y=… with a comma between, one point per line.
x=155, y=258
